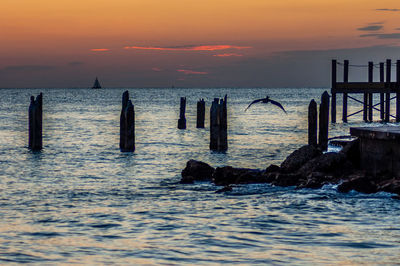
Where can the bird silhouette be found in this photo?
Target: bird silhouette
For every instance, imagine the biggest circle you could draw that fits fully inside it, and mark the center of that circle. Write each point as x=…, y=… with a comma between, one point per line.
x=266, y=100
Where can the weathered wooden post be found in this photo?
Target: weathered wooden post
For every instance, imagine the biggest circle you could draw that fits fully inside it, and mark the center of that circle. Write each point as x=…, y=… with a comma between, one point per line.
x=201, y=113
x=312, y=123
x=370, y=95
x=214, y=125
x=223, y=125
x=387, y=86
x=345, y=97
x=182, y=119
x=127, y=125
x=333, y=91
x=35, y=113
x=382, y=98
x=398, y=91
x=324, y=121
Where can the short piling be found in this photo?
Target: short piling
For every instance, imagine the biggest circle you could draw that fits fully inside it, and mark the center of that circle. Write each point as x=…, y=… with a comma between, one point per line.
x=201, y=113
x=219, y=125
x=214, y=125
x=182, y=118
x=127, y=125
x=35, y=113
x=324, y=121
x=312, y=123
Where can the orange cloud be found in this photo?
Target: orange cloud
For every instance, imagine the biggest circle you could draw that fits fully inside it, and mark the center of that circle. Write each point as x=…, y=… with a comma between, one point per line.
x=189, y=48
x=100, y=50
x=191, y=72
x=157, y=69
x=227, y=55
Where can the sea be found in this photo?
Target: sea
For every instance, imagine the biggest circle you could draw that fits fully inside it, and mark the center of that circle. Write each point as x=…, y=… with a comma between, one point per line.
x=82, y=201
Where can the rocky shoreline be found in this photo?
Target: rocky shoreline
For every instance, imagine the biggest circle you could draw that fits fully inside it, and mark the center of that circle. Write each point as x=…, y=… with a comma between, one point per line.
x=307, y=167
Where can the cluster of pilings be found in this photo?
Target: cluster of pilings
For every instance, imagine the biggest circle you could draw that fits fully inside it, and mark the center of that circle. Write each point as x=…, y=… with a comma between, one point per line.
x=218, y=123
x=383, y=87
x=322, y=140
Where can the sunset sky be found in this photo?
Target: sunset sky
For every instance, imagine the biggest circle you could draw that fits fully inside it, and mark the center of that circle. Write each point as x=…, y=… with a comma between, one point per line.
x=188, y=43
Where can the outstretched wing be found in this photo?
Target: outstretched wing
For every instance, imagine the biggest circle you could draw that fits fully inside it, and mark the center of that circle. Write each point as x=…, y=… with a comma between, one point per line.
x=277, y=104
x=253, y=102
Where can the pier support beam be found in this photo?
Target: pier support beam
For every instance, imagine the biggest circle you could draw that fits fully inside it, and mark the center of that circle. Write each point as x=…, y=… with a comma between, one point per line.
x=127, y=125
x=36, y=123
x=387, y=101
x=398, y=92
x=324, y=121
x=312, y=123
x=382, y=95
x=345, y=97
x=370, y=95
x=201, y=113
x=182, y=118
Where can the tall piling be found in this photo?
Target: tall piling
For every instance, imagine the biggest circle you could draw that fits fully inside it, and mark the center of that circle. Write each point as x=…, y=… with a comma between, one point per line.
x=333, y=90
x=127, y=125
x=35, y=113
x=387, y=88
x=182, y=118
x=382, y=95
x=201, y=113
x=219, y=125
x=312, y=123
x=324, y=121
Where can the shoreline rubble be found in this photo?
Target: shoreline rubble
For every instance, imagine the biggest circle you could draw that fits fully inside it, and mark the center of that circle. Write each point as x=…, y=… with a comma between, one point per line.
x=306, y=167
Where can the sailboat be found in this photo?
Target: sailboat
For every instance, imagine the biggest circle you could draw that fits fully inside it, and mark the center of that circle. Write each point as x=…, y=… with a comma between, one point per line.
x=96, y=84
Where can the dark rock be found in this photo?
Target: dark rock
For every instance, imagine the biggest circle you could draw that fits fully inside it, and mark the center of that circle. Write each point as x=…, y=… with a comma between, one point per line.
x=360, y=183
x=391, y=186
x=330, y=162
x=286, y=180
x=227, y=188
x=196, y=171
x=228, y=175
x=272, y=168
x=352, y=152
x=314, y=180
x=299, y=157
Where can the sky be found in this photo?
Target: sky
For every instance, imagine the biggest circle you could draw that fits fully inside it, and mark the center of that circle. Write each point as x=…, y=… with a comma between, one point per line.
x=191, y=43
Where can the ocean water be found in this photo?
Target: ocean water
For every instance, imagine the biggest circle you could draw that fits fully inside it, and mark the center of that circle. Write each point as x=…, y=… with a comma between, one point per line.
x=81, y=201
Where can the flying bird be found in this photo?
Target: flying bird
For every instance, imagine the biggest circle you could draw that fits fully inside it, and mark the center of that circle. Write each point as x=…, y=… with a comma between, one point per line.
x=266, y=100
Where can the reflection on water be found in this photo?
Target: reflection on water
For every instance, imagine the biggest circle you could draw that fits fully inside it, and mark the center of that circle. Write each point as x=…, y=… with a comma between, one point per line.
x=80, y=200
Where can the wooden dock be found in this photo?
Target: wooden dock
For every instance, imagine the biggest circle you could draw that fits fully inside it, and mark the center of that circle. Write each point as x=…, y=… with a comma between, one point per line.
x=384, y=88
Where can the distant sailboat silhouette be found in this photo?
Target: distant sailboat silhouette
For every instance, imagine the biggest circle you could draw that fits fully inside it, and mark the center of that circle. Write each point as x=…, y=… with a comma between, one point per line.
x=96, y=84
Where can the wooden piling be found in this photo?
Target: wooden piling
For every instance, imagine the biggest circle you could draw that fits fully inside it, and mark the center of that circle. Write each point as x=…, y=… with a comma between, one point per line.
x=387, y=85
x=214, y=125
x=370, y=95
x=312, y=123
x=345, y=97
x=397, y=91
x=223, y=125
x=324, y=121
x=201, y=113
x=127, y=125
x=35, y=113
x=333, y=90
x=382, y=95
x=182, y=118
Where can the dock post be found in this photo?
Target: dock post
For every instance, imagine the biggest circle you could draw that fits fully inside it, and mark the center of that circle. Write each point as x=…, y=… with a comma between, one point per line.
x=398, y=91
x=182, y=109
x=223, y=125
x=324, y=121
x=382, y=95
x=214, y=128
x=387, y=87
x=345, y=79
x=312, y=123
x=370, y=95
x=333, y=91
x=35, y=113
x=127, y=125
x=201, y=113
